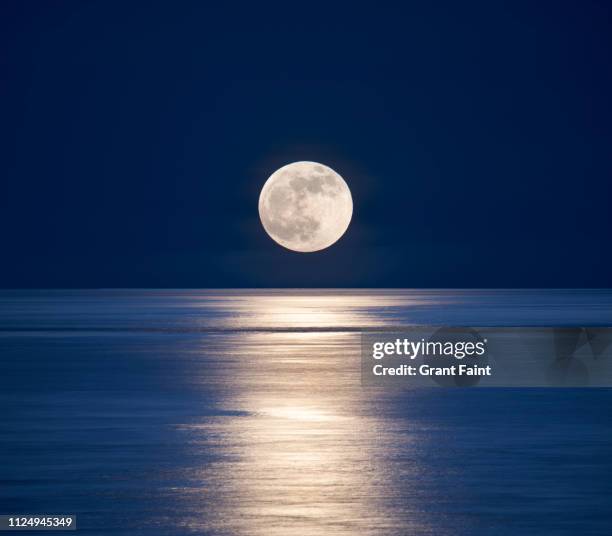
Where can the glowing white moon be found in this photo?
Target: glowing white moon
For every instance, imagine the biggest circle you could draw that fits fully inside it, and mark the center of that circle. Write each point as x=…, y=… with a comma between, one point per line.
x=305, y=206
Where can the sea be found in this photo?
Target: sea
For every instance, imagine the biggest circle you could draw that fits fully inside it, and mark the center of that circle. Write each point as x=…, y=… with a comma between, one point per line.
x=242, y=412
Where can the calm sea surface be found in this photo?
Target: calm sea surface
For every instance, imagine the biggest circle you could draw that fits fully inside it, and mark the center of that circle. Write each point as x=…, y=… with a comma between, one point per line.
x=242, y=413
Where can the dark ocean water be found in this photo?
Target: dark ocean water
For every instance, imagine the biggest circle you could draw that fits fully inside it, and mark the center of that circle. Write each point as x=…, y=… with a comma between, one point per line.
x=242, y=413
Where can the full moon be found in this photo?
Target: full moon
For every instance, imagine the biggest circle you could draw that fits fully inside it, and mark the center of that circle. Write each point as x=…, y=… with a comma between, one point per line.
x=305, y=206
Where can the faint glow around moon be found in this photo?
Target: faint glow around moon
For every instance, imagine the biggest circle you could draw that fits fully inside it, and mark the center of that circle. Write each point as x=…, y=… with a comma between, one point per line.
x=305, y=206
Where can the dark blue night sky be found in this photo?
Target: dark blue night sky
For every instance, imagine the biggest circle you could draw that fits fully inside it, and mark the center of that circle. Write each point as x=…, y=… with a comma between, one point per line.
x=476, y=139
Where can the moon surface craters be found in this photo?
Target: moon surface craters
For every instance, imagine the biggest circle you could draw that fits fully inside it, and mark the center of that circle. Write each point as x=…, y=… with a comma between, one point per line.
x=305, y=206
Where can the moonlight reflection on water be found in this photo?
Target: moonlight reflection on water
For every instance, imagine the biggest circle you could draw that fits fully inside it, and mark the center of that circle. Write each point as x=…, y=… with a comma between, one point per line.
x=309, y=454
